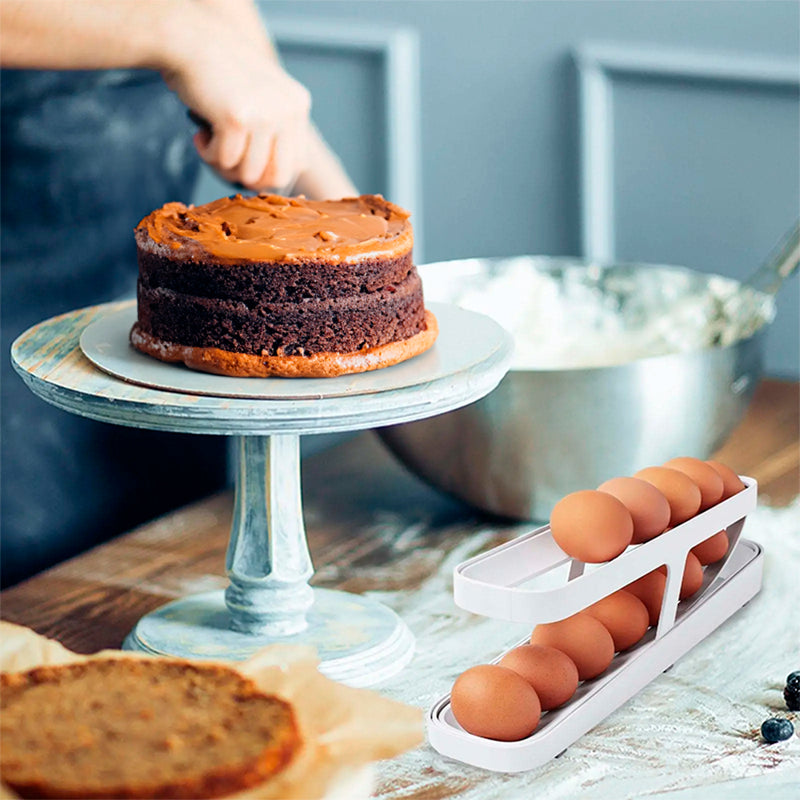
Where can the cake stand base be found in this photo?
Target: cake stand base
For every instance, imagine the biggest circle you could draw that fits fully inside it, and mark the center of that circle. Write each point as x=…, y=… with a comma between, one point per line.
x=359, y=641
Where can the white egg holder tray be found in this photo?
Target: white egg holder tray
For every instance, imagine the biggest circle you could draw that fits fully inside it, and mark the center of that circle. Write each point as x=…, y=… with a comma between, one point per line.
x=497, y=584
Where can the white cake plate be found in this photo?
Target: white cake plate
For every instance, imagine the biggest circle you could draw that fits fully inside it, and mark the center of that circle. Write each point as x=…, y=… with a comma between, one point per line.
x=359, y=641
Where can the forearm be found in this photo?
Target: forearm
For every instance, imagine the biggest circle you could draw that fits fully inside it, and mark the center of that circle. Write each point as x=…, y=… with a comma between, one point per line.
x=214, y=54
x=90, y=34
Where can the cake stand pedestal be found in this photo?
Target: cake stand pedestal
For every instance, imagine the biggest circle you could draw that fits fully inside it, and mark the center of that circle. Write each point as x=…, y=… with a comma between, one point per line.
x=359, y=641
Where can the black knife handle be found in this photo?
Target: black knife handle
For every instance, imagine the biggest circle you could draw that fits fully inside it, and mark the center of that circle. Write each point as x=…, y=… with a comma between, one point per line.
x=201, y=122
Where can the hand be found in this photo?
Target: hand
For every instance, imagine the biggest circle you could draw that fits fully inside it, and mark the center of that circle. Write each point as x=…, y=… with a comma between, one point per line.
x=257, y=113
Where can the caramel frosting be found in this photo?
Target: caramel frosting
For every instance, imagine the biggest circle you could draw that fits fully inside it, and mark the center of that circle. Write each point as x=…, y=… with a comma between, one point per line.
x=268, y=227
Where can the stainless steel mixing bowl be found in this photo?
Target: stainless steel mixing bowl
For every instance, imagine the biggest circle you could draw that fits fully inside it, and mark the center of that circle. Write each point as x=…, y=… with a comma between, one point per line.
x=546, y=432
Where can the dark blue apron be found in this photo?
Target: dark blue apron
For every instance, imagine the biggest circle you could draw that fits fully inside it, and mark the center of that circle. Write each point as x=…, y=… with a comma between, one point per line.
x=85, y=155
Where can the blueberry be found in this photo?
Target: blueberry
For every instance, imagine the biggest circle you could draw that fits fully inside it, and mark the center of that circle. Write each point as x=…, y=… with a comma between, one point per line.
x=792, y=698
x=793, y=680
x=776, y=730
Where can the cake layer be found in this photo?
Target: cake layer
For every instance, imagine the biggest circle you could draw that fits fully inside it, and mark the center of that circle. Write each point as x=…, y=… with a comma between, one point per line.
x=341, y=324
x=320, y=365
x=140, y=728
x=263, y=228
x=260, y=283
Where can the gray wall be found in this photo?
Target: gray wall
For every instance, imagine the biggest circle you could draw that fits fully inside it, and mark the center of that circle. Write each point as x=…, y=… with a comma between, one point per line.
x=706, y=171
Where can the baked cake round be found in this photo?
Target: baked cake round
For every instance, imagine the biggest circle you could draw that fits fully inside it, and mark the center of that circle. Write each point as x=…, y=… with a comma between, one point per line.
x=140, y=728
x=276, y=286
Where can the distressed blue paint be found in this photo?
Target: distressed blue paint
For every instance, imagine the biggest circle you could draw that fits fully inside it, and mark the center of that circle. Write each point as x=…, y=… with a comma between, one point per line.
x=358, y=641
x=268, y=563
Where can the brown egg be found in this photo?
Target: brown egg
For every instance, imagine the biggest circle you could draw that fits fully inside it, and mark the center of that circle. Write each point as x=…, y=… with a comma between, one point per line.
x=708, y=480
x=591, y=526
x=712, y=549
x=624, y=615
x=552, y=674
x=650, y=590
x=692, y=576
x=731, y=482
x=585, y=640
x=647, y=506
x=682, y=494
x=495, y=702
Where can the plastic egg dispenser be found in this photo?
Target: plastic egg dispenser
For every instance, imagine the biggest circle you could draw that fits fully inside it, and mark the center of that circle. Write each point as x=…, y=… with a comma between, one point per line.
x=515, y=582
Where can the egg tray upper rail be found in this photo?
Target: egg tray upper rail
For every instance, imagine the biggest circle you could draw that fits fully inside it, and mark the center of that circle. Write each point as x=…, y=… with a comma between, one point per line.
x=493, y=583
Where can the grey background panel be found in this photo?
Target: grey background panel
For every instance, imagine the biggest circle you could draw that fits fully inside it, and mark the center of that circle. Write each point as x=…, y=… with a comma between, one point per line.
x=353, y=119
x=706, y=174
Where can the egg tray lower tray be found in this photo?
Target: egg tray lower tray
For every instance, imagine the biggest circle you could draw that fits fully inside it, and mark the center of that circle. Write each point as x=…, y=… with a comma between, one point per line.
x=502, y=584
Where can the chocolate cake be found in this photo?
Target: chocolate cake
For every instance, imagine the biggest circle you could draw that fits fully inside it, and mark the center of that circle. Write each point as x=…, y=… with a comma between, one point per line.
x=275, y=286
x=140, y=728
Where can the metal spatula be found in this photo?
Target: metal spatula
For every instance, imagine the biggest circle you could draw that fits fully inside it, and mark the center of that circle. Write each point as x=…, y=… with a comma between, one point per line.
x=754, y=299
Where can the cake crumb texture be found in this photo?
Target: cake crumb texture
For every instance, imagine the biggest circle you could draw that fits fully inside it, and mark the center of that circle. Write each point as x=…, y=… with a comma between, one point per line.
x=317, y=365
x=130, y=728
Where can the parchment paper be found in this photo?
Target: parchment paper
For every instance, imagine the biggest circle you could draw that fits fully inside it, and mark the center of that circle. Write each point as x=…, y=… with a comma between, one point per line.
x=343, y=729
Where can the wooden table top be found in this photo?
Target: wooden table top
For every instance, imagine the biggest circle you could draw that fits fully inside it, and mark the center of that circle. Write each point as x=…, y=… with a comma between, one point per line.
x=358, y=502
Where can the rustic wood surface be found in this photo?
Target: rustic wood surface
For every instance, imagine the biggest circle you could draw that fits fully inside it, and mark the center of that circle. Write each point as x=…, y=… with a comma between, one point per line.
x=357, y=501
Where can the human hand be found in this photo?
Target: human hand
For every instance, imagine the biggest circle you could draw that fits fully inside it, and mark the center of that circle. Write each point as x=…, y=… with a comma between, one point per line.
x=258, y=115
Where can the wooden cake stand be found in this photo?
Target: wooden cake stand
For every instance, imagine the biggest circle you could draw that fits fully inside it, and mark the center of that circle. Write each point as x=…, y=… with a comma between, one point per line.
x=82, y=363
